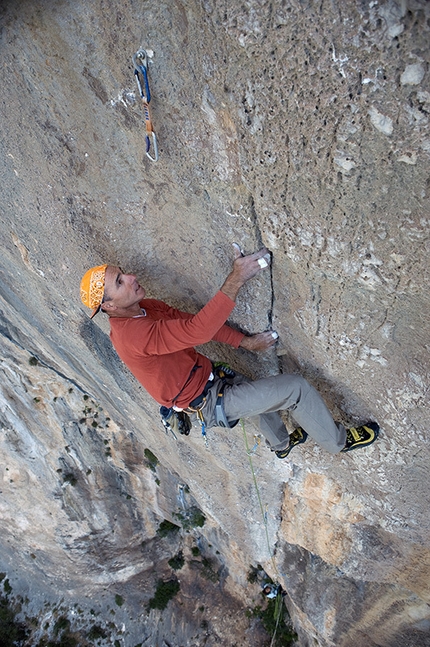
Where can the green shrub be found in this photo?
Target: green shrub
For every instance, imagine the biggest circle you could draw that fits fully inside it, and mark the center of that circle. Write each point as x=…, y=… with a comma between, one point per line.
x=12, y=632
x=96, y=632
x=193, y=518
x=151, y=459
x=284, y=632
x=164, y=592
x=61, y=624
x=166, y=528
x=253, y=573
x=70, y=478
x=119, y=600
x=177, y=561
x=208, y=570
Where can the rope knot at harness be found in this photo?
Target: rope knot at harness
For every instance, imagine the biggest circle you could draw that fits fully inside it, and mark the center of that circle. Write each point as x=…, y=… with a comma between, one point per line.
x=140, y=62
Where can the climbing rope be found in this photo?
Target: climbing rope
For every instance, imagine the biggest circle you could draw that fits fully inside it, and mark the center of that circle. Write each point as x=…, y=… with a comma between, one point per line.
x=140, y=62
x=278, y=600
x=263, y=511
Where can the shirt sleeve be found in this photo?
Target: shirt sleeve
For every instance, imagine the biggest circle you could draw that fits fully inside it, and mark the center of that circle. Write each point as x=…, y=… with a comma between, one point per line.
x=228, y=335
x=225, y=334
x=164, y=336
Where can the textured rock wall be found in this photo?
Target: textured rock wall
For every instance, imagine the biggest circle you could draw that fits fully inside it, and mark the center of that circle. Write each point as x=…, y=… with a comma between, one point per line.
x=300, y=125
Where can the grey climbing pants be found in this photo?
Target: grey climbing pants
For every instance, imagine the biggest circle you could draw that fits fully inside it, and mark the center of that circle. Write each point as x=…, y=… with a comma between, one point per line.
x=244, y=398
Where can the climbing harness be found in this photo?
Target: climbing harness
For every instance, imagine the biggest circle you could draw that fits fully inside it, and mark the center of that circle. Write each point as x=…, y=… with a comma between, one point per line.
x=140, y=62
x=225, y=373
x=220, y=417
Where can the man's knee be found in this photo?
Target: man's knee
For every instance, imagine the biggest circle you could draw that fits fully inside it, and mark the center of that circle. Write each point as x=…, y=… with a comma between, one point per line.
x=296, y=383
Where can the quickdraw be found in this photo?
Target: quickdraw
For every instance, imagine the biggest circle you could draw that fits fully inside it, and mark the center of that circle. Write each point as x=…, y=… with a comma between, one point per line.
x=200, y=418
x=140, y=62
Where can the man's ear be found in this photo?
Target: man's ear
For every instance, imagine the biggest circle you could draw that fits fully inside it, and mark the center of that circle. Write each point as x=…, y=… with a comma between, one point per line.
x=108, y=306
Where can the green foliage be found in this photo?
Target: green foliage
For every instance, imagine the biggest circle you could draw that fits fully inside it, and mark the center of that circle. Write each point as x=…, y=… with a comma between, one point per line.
x=33, y=361
x=195, y=551
x=177, y=561
x=193, y=518
x=61, y=624
x=253, y=573
x=151, y=459
x=12, y=632
x=96, y=632
x=283, y=631
x=7, y=587
x=70, y=478
x=209, y=571
x=119, y=600
x=164, y=592
x=166, y=528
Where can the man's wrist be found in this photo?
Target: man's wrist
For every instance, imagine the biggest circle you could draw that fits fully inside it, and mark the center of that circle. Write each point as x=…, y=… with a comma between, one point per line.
x=231, y=287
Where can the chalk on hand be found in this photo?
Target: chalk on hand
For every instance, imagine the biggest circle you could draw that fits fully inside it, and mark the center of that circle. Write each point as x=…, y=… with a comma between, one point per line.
x=237, y=246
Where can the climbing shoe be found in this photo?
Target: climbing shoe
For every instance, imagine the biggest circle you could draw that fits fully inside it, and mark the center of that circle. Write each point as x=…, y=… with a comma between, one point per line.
x=298, y=437
x=357, y=437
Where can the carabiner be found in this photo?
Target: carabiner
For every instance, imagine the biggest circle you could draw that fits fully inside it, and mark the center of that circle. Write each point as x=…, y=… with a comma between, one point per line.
x=140, y=62
x=142, y=68
x=154, y=144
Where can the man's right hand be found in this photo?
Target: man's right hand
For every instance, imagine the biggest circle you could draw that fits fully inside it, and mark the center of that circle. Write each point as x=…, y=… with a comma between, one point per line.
x=260, y=341
x=244, y=268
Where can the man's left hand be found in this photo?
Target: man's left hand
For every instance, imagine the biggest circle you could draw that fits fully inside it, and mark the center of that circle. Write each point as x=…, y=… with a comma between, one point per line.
x=260, y=341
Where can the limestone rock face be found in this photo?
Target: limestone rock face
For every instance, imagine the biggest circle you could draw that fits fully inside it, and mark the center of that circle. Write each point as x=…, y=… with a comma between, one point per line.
x=300, y=125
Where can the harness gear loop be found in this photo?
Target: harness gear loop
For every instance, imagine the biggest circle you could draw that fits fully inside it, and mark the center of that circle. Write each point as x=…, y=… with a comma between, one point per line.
x=140, y=62
x=220, y=417
x=198, y=411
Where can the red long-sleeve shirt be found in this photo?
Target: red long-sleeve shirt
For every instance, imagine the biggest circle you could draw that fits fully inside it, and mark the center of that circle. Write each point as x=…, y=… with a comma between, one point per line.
x=158, y=348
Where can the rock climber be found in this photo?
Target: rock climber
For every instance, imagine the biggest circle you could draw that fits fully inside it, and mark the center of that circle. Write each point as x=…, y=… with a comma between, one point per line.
x=157, y=343
x=271, y=590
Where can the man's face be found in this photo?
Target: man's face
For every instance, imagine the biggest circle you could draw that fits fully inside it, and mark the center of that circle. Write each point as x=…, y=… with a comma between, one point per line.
x=122, y=290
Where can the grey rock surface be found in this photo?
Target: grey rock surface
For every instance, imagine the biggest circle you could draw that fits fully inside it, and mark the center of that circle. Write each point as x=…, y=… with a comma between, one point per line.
x=300, y=125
